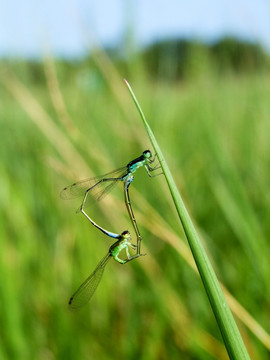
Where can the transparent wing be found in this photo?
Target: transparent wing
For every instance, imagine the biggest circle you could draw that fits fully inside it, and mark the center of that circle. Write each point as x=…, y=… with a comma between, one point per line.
x=79, y=188
x=98, y=191
x=88, y=287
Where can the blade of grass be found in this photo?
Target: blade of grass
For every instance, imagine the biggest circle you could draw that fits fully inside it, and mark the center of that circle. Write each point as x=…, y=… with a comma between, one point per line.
x=230, y=333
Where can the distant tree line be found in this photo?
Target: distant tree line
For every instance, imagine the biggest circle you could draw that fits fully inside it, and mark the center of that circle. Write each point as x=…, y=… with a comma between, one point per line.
x=180, y=58
x=169, y=60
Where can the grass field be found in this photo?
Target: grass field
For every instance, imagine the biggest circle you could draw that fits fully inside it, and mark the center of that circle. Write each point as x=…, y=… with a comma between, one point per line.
x=56, y=129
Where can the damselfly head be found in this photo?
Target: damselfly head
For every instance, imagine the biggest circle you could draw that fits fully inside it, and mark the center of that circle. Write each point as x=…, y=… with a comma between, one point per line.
x=125, y=234
x=147, y=154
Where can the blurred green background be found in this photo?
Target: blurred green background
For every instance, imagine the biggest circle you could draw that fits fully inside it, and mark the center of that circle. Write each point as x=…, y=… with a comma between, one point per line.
x=63, y=121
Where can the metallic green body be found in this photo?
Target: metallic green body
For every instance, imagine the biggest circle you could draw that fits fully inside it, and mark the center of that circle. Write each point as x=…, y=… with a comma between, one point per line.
x=88, y=287
x=92, y=187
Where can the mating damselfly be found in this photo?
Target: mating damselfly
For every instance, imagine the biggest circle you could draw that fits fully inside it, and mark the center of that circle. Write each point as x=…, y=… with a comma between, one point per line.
x=99, y=186
x=89, y=286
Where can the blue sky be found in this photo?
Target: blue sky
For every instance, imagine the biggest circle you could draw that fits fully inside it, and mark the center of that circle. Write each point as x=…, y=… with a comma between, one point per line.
x=28, y=27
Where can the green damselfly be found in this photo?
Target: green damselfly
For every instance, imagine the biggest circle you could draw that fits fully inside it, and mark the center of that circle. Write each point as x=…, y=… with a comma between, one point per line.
x=89, y=286
x=99, y=186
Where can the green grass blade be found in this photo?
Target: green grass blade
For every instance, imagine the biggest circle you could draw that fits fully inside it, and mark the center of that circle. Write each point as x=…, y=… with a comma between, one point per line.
x=230, y=333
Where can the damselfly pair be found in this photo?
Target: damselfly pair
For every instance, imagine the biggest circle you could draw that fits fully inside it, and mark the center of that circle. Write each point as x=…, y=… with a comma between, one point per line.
x=97, y=188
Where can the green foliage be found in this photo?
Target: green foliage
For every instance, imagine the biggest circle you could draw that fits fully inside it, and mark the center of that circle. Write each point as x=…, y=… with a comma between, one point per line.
x=239, y=56
x=230, y=333
x=214, y=132
x=171, y=60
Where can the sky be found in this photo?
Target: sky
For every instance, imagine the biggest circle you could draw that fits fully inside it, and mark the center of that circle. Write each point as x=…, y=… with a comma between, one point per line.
x=66, y=28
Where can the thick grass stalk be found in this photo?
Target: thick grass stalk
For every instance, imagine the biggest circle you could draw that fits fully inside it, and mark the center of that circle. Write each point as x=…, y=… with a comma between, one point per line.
x=230, y=333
